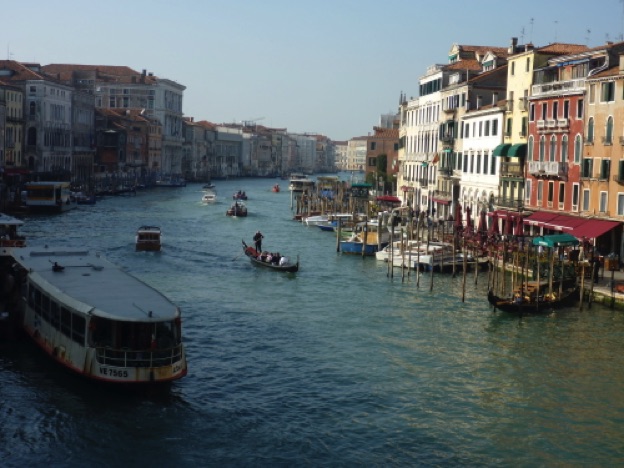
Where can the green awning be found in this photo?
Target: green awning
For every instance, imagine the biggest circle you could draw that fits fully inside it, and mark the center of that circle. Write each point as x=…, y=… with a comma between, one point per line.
x=518, y=150
x=556, y=240
x=501, y=150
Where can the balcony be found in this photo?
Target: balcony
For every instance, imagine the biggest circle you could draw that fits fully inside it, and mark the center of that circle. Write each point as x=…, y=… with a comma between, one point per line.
x=551, y=123
x=541, y=124
x=548, y=168
x=447, y=138
x=510, y=203
x=558, y=87
x=445, y=171
x=563, y=123
x=511, y=169
x=449, y=110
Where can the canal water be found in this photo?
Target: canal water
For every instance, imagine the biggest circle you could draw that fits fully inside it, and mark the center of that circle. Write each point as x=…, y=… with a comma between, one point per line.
x=338, y=364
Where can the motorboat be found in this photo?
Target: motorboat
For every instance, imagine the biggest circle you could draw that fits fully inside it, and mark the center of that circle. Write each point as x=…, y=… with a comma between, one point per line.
x=209, y=197
x=238, y=209
x=148, y=239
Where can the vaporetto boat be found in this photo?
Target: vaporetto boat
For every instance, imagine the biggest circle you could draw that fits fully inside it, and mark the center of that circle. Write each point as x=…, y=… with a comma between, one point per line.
x=97, y=320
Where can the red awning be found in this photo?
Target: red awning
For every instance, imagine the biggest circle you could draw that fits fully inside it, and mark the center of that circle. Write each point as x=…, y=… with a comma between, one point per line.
x=593, y=228
x=564, y=223
x=503, y=214
x=539, y=218
x=389, y=198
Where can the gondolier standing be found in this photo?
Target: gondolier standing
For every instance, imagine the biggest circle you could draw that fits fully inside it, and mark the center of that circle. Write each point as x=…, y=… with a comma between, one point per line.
x=258, y=240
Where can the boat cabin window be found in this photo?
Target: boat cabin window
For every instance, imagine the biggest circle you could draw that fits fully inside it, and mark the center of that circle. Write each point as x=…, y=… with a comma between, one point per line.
x=69, y=323
x=136, y=336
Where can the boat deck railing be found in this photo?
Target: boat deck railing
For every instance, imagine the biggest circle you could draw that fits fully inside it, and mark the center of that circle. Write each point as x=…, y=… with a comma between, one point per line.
x=139, y=358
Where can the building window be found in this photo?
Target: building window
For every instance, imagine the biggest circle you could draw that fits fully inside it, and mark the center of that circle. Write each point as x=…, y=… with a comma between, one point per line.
x=590, y=130
x=540, y=190
x=528, y=64
x=555, y=108
x=553, y=148
x=494, y=127
x=561, y=194
x=585, y=206
x=587, y=169
x=508, y=129
x=566, y=109
x=564, y=148
x=575, y=196
x=579, y=109
x=527, y=192
x=530, y=148
x=551, y=193
x=513, y=68
x=544, y=110
x=532, y=113
x=487, y=128
x=373, y=145
x=607, y=91
x=605, y=169
x=578, y=145
x=542, y=147
x=592, y=93
x=609, y=131
x=620, y=204
x=603, y=202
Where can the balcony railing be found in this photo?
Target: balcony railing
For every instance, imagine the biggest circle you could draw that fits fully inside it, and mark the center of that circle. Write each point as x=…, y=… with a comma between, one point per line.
x=548, y=168
x=511, y=169
x=558, y=87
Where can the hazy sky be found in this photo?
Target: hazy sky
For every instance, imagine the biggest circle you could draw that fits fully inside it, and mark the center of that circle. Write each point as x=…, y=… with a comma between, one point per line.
x=325, y=66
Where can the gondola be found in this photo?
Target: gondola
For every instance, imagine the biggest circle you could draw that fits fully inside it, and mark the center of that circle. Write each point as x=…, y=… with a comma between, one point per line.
x=530, y=304
x=253, y=255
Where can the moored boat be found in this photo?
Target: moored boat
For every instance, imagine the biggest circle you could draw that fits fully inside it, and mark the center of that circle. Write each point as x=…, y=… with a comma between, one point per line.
x=97, y=320
x=273, y=261
x=49, y=197
x=365, y=238
x=9, y=236
x=148, y=238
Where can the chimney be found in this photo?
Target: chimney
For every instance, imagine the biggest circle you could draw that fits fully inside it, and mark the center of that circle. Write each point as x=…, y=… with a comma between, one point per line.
x=621, y=64
x=513, y=45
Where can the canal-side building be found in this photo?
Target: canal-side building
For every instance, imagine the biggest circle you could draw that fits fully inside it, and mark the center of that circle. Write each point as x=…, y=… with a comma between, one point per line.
x=570, y=151
x=383, y=143
x=13, y=127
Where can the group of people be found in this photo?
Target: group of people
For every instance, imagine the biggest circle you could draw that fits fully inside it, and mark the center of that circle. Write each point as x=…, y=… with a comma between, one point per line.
x=265, y=256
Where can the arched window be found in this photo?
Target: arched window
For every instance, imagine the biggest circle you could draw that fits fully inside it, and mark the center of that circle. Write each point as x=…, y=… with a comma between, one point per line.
x=542, y=147
x=564, y=148
x=32, y=108
x=553, y=147
x=609, y=131
x=590, y=130
x=531, y=142
x=578, y=144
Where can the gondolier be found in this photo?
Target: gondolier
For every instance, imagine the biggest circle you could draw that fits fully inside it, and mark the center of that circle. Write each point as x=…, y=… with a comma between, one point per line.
x=258, y=240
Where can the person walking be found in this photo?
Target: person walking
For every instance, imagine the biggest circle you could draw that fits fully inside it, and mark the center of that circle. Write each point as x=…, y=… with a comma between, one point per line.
x=258, y=240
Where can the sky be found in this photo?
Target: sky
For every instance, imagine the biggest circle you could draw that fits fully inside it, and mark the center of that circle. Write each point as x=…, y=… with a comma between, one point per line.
x=330, y=67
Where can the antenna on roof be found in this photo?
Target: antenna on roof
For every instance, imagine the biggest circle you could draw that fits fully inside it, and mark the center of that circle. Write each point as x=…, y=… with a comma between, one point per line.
x=587, y=37
x=522, y=35
x=556, y=24
x=531, y=36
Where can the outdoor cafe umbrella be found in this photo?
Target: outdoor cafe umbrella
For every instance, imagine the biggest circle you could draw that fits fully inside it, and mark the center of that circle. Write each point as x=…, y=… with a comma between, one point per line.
x=509, y=223
x=519, y=227
x=494, y=224
x=482, y=222
x=458, y=217
x=469, y=224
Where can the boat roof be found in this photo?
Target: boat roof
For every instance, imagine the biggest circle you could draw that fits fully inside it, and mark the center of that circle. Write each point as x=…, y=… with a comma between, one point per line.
x=7, y=220
x=93, y=285
x=149, y=229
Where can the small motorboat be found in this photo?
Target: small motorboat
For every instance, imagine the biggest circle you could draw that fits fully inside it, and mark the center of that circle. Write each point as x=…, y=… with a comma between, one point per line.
x=148, y=239
x=240, y=195
x=209, y=197
x=275, y=188
x=273, y=261
x=238, y=209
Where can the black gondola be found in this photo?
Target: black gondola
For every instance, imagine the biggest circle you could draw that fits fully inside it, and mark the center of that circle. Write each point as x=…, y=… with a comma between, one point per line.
x=519, y=304
x=255, y=258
